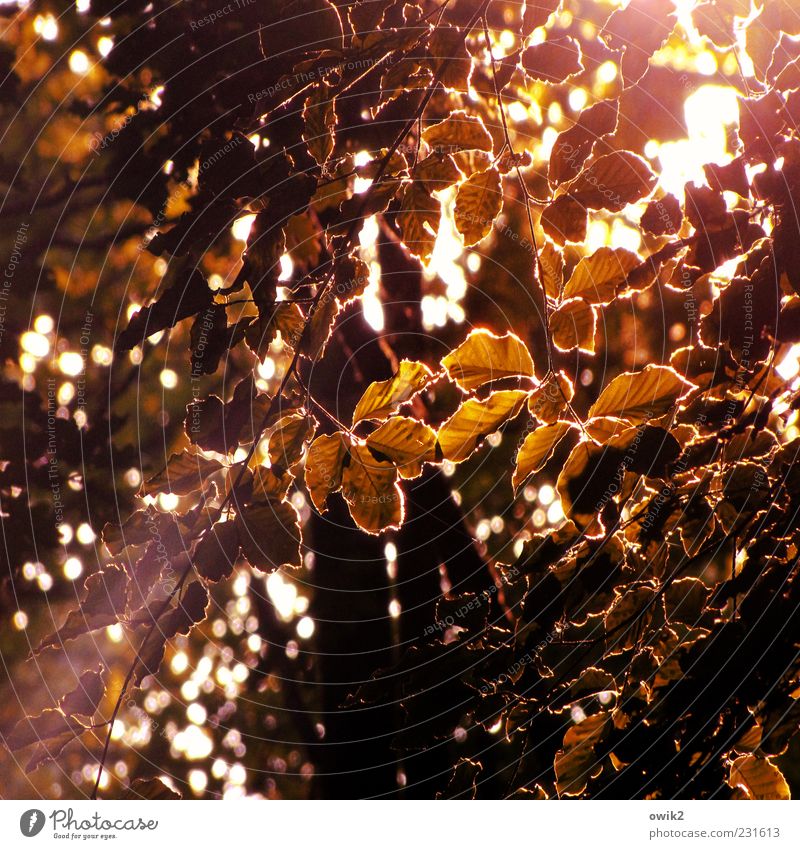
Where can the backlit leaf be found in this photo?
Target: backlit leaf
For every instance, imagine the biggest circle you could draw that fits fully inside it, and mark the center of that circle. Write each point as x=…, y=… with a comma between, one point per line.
x=565, y=220
x=85, y=698
x=184, y=473
x=537, y=449
x=573, y=325
x=217, y=551
x=270, y=535
x=458, y=131
x=639, y=396
x=613, y=181
x=407, y=442
x=47, y=725
x=383, y=397
x=551, y=261
x=597, y=277
x=474, y=420
x=576, y=762
x=371, y=491
x=323, y=473
x=549, y=400
x=759, y=778
x=320, y=119
x=483, y=357
x=287, y=442
x=553, y=60
x=102, y=604
x=478, y=202
x=418, y=219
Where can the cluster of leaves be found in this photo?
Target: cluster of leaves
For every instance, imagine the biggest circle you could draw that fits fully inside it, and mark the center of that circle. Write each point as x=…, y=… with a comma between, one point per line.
x=676, y=565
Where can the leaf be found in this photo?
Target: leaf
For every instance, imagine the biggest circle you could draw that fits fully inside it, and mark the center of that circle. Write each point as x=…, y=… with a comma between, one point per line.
x=407, y=442
x=436, y=172
x=474, y=420
x=759, y=778
x=150, y=788
x=371, y=490
x=319, y=116
x=178, y=619
x=573, y=325
x=577, y=761
x=613, y=181
x=573, y=146
x=270, y=535
x=50, y=723
x=86, y=697
x=186, y=294
x=565, y=220
x=479, y=200
x=271, y=482
x=458, y=131
x=596, y=278
x=549, y=400
x=639, y=396
x=351, y=278
x=217, y=551
x=323, y=473
x=288, y=440
x=383, y=397
x=537, y=449
x=103, y=602
x=483, y=357
x=450, y=57
x=685, y=601
x=418, y=219
x=602, y=428
x=551, y=261
x=320, y=327
x=184, y=473
x=662, y=217
x=554, y=60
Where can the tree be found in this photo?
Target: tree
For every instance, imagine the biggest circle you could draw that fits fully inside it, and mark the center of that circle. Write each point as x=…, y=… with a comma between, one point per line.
x=424, y=325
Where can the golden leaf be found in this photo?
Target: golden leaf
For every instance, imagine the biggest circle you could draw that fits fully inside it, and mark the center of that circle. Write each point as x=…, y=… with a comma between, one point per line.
x=551, y=261
x=565, y=220
x=602, y=428
x=371, y=490
x=320, y=327
x=596, y=278
x=537, y=449
x=407, y=442
x=759, y=778
x=436, y=172
x=288, y=440
x=324, y=467
x=479, y=200
x=643, y=395
x=573, y=325
x=418, y=219
x=576, y=762
x=383, y=397
x=551, y=397
x=474, y=420
x=483, y=357
x=613, y=181
x=459, y=131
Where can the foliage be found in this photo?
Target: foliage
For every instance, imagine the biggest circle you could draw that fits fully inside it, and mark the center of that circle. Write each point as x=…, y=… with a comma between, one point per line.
x=642, y=645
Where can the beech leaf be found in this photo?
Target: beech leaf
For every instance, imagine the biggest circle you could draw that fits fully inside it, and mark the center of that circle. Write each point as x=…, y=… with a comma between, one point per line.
x=483, y=357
